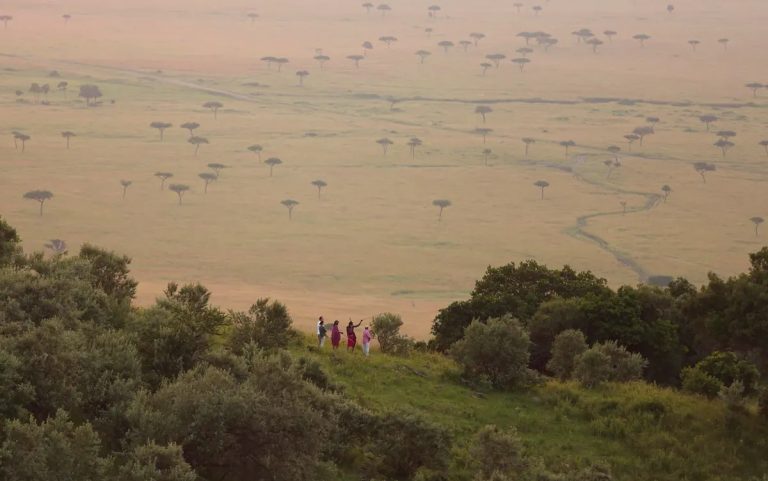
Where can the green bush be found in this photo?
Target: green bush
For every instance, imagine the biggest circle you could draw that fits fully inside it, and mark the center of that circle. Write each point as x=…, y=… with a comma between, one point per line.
x=733, y=396
x=762, y=403
x=728, y=368
x=151, y=462
x=695, y=380
x=567, y=346
x=608, y=361
x=497, y=350
x=497, y=452
x=593, y=367
x=268, y=325
x=386, y=328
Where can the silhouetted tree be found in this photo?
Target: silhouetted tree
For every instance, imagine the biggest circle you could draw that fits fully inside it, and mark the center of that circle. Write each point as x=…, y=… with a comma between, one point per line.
x=476, y=36
x=764, y=144
x=301, y=74
x=68, y=135
x=253, y=17
x=524, y=51
x=485, y=66
x=567, y=144
x=653, y=121
x=641, y=37
x=207, y=177
x=694, y=44
x=160, y=126
x=521, y=62
x=197, y=142
x=754, y=87
x=594, y=42
x=724, y=145
x=125, y=184
x=670, y=8
x=441, y=204
x=384, y=9
x=548, y=42
x=272, y=162
x=57, y=246
x=708, y=120
x=191, y=126
x=428, y=31
x=527, y=36
x=486, y=155
x=631, y=138
x=583, y=34
x=368, y=6
x=5, y=19
x=483, y=110
x=280, y=61
x=217, y=168
x=290, y=204
x=702, y=168
x=608, y=163
x=623, y=204
x=40, y=196
x=269, y=61
x=388, y=40
x=413, y=144
x=163, y=176
x=423, y=54
x=615, y=151
x=757, y=221
x=537, y=9
x=256, y=149
x=321, y=59
x=89, y=93
x=484, y=132
x=541, y=184
x=528, y=141
x=356, y=59
x=518, y=6
x=385, y=143
x=180, y=190
x=667, y=190
x=214, y=107
x=610, y=34
x=367, y=46
x=643, y=132
x=496, y=58
x=445, y=44
x=723, y=42
x=433, y=10
x=320, y=184
x=465, y=44
x=23, y=138
x=726, y=134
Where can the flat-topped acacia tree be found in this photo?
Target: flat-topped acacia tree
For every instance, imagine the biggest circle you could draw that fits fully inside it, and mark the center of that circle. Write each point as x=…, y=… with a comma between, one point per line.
x=465, y=44
x=413, y=144
x=388, y=40
x=125, y=184
x=179, y=190
x=90, y=93
x=23, y=138
x=256, y=149
x=207, y=177
x=197, y=142
x=702, y=168
x=62, y=87
x=642, y=38
x=161, y=126
x=726, y=134
x=521, y=62
x=476, y=37
x=280, y=61
x=486, y=155
x=694, y=44
x=356, y=59
x=214, y=107
x=445, y=45
x=368, y=6
x=724, y=146
x=548, y=42
x=643, y=132
x=485, y=66
x=39, y=196
x=518, y=6
x=484, y=132
x=567, y=144
x=764, y=144
x=423, y=54
x=5, y=19
x=708, y=120
x=433, y=11
x=290, y=204
x=528, y=141
x=321, y=60
x=754, y=87
x=724, y=42
x=384, y=9
x=191, y=126
x=385, y=143
x=615, y=151
x=301, y=75
x=631, y=139
x=67, y=136
x=594, y=43
x=483, y=110
x=757, y=221
x=429, y=31
x=163, y=176
x=541, y=184
x=666, y=190
x=269, y=60
x=366, y=47
x=537, y=9
x=441, y=204
x=609, y=34
x=217, y=167
x=653, y=121
x=272, y=162
x=320, y=185
x=524, y=51
x=253, y=16
x=623, y=204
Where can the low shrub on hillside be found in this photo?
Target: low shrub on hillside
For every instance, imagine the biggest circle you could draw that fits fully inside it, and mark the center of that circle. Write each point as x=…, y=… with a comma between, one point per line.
x=568, y=345
x=386, y=328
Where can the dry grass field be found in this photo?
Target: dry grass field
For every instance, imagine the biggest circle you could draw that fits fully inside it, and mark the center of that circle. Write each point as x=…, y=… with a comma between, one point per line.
x=372, y=242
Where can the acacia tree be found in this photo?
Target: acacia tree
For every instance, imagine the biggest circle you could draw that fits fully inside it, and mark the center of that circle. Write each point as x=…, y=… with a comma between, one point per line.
x=441, y=204
x=518, y=6
x=62, y=87
x=180, y=190
x=217, y=168
x=754, y=87
x=521, y=62
x=356, y=59
x=320, y=184
x=615, y=151
x=384, y=9
x=269, y=61
x=207, y=177
x=66, y=18
x=548, y=42
x=368, y=6
x=694, y=44
x=496, y=58
x=623, y=204
x=280, y=61
x=465, y=44
x=764, y=144
x=197, y=142
x=413, y=143
x=214, y=107
x=484, y=132
x=385, y=143
x=485, y=66
x=567, y=144
x=290, y=204
x=537, y=9
x=433, y=10
x=256, y=149
x=446, y=45
x=708, y=120
x=653, y=121
x=161, y=126
x=68, y=135
x=191, y=126
x=726, y=134
x=272, y=162
x=125, y=184
x=388, y=40
x=89, y=93
x=757, y=221
x=321, y=59
x=40, y=196
x=423, y=54
x=609, y=163
x=301, y=74
x=253, y=17
x=609, y=34
x=631, y=139
x=528, y=141
x=541, y=184
x=595, y=43
x=641, y=37
x=163, y=176
x=366, y=47
x=724, y=145
x=483, y=110
x=23, y=138
x=524, y=51
x=643, y=132
x=702, y=168
x=724, y=43
x=667, y=190
x=5, y=19
x=486, y=155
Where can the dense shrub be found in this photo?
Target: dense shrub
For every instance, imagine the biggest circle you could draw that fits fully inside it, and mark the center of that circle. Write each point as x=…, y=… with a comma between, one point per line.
x=151, y=462
x=496, y=453
x=728, y=368
x=593, y=367
x=567, y=346
x=608, y=361
x=497, y=350
x=267, y=324
x=386, y=328
x=695, y=380
x=762, y=403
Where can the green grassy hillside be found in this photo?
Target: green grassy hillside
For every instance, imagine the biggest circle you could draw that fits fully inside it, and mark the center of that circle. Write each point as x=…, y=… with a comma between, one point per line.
x=641, y=431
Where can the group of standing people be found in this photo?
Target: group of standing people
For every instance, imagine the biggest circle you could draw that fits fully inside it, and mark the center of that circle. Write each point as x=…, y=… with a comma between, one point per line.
x=322, y=334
